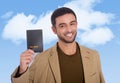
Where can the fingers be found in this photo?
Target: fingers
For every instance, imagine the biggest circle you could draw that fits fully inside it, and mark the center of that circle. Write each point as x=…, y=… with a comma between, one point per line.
x=29, y=52
x=25, y=58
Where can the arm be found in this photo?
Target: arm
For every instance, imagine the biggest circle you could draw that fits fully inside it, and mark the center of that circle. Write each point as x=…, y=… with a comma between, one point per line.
x=24, y=78
x=25, y=59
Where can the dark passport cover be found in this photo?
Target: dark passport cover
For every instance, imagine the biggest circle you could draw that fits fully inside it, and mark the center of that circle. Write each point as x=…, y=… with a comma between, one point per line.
x=35, y=40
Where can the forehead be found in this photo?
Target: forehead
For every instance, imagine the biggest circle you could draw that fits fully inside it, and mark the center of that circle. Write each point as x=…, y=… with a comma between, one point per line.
x=65, y=18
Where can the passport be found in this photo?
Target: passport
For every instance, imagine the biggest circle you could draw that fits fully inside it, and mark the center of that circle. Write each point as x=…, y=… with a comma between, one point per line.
x=35, y=40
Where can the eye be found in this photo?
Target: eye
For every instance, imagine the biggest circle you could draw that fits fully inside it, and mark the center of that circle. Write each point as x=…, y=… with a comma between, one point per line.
x=73, y=23
x=62, y=25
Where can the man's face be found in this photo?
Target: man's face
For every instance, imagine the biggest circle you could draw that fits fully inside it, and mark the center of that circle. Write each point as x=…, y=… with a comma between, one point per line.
x=66, y=28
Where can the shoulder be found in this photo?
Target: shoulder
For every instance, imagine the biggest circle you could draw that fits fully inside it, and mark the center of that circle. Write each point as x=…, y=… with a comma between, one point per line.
x=91, y=53
x=87, y=50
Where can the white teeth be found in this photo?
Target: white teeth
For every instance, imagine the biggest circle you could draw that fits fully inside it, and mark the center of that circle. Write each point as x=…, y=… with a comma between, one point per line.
x=69, y=34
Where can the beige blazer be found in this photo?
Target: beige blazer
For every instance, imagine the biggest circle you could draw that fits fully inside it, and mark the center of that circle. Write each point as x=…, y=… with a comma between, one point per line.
x=45, y=68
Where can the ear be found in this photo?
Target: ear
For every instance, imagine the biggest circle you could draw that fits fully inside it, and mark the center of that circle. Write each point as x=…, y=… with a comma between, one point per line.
x=54, y=29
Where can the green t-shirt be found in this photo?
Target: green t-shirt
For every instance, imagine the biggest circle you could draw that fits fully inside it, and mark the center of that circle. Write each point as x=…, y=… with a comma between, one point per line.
x=71, y=66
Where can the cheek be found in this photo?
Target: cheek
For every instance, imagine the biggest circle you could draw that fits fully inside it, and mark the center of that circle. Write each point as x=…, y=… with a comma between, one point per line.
x=75, y=28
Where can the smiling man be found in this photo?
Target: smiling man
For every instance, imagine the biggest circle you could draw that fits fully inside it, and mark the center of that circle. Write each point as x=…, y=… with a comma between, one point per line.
x=65, y=62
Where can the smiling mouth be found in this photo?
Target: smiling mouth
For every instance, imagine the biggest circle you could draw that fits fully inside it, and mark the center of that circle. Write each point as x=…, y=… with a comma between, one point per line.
x=69, y=35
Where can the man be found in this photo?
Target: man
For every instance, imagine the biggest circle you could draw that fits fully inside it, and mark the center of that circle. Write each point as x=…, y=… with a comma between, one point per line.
x=66, y=62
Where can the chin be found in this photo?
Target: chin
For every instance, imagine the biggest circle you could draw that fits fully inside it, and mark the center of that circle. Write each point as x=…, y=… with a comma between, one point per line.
x=69, y=41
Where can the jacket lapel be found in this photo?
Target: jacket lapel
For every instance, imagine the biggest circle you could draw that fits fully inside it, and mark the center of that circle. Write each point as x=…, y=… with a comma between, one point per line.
x=87, y=61
x=54, y=63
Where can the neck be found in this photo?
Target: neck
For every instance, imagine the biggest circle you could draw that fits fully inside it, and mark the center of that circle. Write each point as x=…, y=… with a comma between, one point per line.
x=68, y=48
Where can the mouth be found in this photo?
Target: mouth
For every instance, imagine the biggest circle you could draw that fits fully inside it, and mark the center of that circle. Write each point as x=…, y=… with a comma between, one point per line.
x=69, y=35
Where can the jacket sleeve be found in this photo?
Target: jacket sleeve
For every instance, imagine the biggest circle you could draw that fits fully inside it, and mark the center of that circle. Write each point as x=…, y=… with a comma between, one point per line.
x=24, y=78
x=27, y=77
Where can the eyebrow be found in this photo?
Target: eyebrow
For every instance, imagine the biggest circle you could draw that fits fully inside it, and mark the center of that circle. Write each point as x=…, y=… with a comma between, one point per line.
x=65, y=23
x=62, y=24
x=73, y=21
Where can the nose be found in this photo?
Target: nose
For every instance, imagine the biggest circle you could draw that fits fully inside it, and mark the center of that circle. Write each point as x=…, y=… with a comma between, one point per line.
x=69, y=29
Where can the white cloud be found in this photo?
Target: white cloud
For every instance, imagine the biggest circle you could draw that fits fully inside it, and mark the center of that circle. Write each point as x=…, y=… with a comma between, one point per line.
x=97, y=36
x=16, y=27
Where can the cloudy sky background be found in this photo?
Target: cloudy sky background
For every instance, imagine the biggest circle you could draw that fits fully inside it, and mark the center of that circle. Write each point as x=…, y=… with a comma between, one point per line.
x=98, y=28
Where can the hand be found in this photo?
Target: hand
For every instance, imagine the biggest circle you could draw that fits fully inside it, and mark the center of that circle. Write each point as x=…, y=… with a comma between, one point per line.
x=25, y=58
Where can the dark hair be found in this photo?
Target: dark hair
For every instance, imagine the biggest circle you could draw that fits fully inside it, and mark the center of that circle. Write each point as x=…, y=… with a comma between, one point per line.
x=59, y=12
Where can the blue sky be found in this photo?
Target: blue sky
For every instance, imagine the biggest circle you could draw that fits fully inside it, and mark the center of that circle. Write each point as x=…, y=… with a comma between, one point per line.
x=98, y=28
